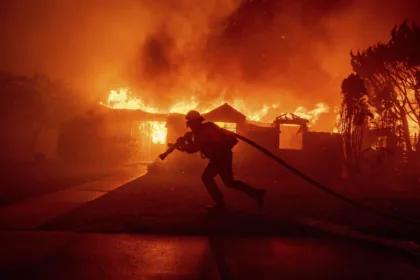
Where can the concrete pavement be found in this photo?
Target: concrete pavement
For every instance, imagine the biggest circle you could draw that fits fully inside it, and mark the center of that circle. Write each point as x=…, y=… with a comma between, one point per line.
x=32, y=213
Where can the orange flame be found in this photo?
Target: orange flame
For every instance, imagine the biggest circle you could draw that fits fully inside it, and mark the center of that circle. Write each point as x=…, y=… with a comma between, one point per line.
x=156, y=131
x=413, y=127
x=337, y=119
x=184, y=106
x=121, y=99
x=159, y=132
x=312, y=115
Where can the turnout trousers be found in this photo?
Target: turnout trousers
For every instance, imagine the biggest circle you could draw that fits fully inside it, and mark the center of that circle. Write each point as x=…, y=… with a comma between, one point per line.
x=222, y=166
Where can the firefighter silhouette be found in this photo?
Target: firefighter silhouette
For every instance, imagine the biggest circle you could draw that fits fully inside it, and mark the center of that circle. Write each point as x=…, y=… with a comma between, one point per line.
x=216, y=144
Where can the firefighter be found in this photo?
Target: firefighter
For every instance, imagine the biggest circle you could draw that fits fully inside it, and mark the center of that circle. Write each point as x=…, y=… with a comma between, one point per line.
x=216, y=144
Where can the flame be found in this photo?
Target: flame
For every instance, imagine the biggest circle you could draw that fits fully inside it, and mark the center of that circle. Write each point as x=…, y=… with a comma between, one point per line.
x=312, y=115
x=336, y=111
x=184, y=106
x=156, y=131
x=119, y=99
x=159, y=132
x=261, y=114
x=413, y=125
x=122, y=99
x=227, y=126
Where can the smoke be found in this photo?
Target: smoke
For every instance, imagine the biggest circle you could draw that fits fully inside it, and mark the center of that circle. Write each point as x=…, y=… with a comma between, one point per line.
x=291, y=53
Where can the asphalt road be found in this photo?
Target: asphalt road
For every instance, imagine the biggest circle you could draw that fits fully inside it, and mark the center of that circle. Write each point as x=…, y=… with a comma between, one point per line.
x=168, y=203
x=151, y=228
x=67, y=255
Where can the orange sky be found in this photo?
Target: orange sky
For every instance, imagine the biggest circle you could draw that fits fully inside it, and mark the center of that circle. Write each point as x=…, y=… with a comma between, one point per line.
x=292, y=53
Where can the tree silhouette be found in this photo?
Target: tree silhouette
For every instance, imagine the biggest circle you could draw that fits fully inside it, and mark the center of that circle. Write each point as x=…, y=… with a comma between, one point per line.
x=353, y=118
x=391, y=72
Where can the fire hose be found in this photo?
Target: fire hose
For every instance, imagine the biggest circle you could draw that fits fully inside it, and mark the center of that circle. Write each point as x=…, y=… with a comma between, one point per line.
x=324, y=188
x=187, y=137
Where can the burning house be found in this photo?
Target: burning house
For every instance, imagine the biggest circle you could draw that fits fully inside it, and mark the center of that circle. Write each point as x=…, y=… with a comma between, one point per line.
x=145, y=132
x=224, y=116
x=136, y=133
x=113, y=136
x=288, y=136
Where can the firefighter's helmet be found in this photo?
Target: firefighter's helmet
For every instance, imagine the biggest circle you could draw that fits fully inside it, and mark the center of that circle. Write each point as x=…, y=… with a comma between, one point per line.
x=193, y=116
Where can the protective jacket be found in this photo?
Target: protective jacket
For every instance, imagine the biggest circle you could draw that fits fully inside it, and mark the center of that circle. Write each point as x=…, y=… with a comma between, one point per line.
x=211, y=140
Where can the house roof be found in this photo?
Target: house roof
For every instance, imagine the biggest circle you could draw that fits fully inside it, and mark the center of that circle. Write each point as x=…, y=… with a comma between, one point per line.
x=137, y=115
x=225, y=113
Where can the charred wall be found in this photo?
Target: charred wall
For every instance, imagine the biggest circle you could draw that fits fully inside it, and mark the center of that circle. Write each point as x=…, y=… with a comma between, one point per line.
x=320, y=156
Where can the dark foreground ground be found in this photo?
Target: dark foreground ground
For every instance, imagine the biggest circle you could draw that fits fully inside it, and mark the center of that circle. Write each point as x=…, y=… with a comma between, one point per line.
x=23, y=180
x=153, y=228
x=68, y=255
x=170, y=203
